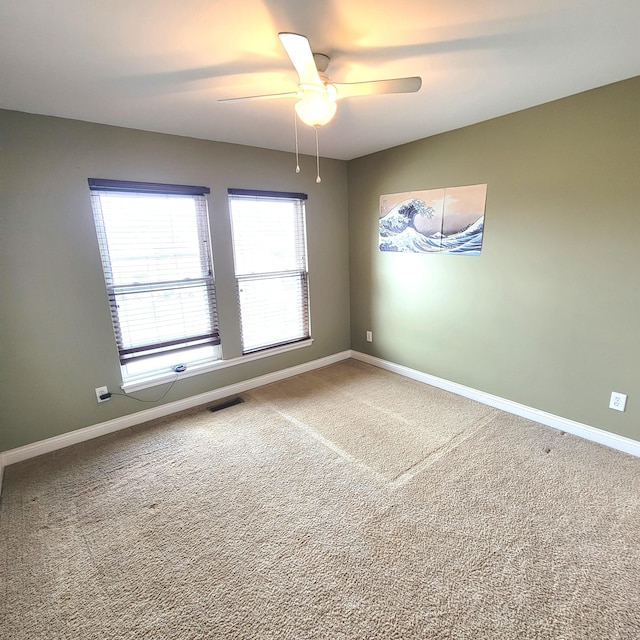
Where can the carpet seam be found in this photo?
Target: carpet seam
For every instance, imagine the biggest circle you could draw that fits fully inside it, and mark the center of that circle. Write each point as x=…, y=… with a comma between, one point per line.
x=420, y=466
x=329, y=444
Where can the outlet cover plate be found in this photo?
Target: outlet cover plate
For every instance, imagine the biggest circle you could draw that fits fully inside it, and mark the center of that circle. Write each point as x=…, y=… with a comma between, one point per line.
x=101, y=391
x=618, y=401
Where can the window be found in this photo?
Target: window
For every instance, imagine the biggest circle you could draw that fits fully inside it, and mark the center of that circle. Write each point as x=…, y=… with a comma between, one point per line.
x=270, y=257
x=156, y=256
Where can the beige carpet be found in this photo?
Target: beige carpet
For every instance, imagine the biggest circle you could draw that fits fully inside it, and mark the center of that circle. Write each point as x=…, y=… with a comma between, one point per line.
x=346, y=503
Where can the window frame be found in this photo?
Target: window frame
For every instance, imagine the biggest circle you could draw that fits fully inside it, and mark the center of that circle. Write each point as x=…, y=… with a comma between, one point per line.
x=299, y=273
x=208, y=341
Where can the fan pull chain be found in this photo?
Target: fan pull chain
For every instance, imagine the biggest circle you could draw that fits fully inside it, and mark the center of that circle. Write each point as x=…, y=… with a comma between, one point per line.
x=295, y=128
x=318, y=180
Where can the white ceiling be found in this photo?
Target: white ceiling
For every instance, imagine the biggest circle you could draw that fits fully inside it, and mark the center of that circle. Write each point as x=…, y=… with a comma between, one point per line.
x=162, y=65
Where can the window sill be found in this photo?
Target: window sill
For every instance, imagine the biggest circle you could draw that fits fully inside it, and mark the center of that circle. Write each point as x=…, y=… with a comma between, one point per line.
x=146, y=383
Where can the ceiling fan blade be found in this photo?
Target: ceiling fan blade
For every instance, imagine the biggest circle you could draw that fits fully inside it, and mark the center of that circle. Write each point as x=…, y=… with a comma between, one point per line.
x=299, y=51
x=267, y=96
x=375, y=87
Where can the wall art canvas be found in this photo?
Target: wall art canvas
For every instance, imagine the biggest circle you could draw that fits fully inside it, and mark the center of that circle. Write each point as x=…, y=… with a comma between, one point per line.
x=447, y=220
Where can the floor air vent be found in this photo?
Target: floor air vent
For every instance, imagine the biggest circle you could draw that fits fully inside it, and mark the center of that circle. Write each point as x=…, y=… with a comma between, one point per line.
x=226, y=404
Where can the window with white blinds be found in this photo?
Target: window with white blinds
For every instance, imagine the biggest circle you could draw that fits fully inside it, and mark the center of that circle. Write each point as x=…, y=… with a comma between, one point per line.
x=270, y=257
x=156, y=256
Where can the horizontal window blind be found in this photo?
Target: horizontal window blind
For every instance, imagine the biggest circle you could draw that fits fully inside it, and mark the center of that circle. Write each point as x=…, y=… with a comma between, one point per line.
x=270, y=259
x=155, y=248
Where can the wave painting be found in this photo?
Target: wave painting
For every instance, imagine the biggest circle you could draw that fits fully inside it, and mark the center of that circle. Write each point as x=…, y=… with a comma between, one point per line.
x=447, y=220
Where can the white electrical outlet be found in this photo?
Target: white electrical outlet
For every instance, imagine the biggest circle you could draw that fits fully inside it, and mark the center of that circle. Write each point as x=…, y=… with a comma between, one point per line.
x=369, y=336
x=100, y=391
x=618, y=401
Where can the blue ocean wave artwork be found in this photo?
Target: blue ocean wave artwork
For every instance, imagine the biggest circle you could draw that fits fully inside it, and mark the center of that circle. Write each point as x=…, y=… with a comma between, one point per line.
x=399, y=232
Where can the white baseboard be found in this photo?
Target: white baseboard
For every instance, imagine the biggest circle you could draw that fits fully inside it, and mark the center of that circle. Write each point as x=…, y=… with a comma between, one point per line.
x=550, y=420
x=88, y=433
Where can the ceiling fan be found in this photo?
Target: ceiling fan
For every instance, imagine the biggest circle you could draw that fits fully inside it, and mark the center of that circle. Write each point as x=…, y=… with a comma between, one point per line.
x=316, y=94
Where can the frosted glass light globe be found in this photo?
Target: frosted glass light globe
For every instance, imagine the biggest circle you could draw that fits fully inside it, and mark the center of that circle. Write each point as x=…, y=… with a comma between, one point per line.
x=316, y=108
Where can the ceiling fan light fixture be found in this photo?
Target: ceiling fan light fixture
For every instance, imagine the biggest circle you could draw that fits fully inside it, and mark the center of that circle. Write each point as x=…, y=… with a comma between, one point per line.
x=317, y=108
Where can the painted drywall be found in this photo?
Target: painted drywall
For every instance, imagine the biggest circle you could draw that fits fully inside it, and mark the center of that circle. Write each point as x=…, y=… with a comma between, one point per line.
x=548, y=314
x=56, y=341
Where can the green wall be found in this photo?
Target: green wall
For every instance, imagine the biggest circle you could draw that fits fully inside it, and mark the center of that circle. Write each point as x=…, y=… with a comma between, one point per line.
x=549, y=314
x=56, y=340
